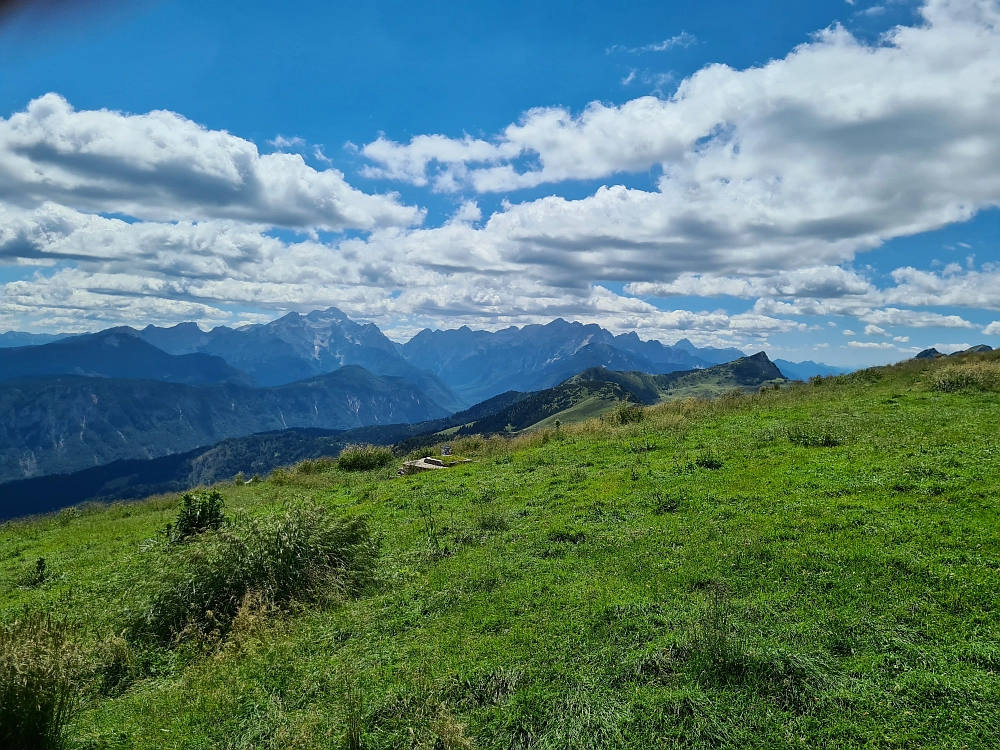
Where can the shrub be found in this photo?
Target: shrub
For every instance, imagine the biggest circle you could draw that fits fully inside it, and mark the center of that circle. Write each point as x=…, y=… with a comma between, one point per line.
x=198, y=513
x=280, y=476
x=364, y=457
x=38, y=670
x=302, y=555
x=38, y=574
x=625, y=413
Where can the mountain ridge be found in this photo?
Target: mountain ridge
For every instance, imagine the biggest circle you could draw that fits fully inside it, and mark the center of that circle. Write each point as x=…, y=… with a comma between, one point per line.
x=480, y=364
x=68, y=422
x=296, y=347
x=116, y=353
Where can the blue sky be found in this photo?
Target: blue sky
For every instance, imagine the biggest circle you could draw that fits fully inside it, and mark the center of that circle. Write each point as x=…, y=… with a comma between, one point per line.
x=400, y=194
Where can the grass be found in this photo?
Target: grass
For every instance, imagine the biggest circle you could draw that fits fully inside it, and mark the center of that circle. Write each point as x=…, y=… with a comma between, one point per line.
x=812, y=567
x=38, y=676
x=364, y=457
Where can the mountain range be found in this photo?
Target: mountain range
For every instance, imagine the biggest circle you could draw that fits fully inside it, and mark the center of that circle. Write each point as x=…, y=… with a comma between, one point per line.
x=20, y=338
x=117, y=353
x=121, y=394
x=67, y=422
x=585, y=395
x=481, y=364
x=807, y=369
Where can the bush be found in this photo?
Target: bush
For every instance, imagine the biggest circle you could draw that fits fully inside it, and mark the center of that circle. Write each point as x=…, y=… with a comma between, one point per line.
x=38, y=670
x=625, y=413
x=364, y=457
x=198, y=513
x=200, y=586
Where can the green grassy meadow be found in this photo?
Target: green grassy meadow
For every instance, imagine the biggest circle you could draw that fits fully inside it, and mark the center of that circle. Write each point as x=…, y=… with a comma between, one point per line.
x=814, y=567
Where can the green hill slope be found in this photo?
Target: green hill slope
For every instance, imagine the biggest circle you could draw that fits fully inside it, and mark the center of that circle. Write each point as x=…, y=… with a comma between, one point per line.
x=596, y=390
x=815, y=567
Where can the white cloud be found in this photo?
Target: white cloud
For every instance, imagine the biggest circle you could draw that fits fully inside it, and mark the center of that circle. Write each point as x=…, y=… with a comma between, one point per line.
x=950, y=348
x=901, y=339
x=804, y=161
x=872, y=330
x=819, y=281
x=282, y=142
x=863, y=308
x=680, y=40
x=165, y=272
x=871, y=345
x=953, y=287
x=895, y=317
x=848, y=332
x=160, y=166
x=993, y=329
x=469, y=211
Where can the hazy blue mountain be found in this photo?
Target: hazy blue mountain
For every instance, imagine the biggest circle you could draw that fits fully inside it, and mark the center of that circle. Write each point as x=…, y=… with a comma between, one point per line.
x=19, y=338
x=66, y=423
x=259, y=453
x=296, y=347
x=480, y=364
x=116, y=353
x=709, y=353
x=807, y=369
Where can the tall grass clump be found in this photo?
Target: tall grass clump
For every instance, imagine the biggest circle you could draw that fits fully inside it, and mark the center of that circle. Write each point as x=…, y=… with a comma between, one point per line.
x=968, y=376
x=625, y=413
x=364, y=457
x=303, y=555
x=38, y=677
x=809, y=436
x=198, y=513
x=315, y=465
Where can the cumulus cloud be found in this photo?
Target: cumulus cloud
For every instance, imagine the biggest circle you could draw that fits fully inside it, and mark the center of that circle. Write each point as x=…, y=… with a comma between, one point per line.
x=953, y=286
x=160, y=166
x=159, y=272
x=892, y=316
x=816, y=156
x=819, y=281
x=993, y=329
